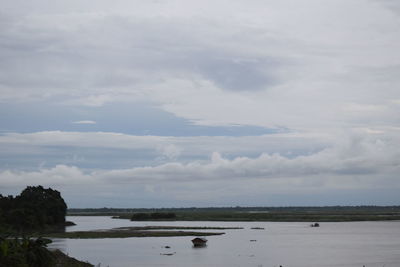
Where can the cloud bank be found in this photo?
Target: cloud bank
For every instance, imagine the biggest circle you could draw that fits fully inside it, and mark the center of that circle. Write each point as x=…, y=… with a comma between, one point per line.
x=360, y=162
x=222, y=100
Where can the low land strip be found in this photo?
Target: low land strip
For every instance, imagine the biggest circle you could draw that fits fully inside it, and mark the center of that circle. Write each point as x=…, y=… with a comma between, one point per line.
x=146, y=231
x=274, y=214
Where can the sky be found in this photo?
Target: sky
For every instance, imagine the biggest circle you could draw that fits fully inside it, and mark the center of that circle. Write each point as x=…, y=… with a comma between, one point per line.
x=171, y=103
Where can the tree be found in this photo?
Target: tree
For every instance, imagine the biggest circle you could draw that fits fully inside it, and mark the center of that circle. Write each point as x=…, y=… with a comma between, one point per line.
x=35, y=208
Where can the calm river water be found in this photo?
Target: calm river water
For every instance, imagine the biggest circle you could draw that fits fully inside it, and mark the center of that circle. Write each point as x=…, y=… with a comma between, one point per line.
x=287, y=244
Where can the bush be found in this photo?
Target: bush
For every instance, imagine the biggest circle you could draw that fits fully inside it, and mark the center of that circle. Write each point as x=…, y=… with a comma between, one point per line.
x=25, y=252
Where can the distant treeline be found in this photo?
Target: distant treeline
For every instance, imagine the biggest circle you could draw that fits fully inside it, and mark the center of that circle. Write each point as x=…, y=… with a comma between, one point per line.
x=153, y=216
x=34, y=209
x=366, y=208
x=282, y=214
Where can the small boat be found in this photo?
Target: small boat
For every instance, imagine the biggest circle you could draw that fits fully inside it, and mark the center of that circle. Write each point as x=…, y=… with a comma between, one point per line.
x=199, y=241
x=315, y=225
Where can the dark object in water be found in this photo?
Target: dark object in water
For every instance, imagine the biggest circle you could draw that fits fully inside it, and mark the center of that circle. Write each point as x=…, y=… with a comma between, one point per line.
x=199, y=241
x=314, y=225
x=257, y=228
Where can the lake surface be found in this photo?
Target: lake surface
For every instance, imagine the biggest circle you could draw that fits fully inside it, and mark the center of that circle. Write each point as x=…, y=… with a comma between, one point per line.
x=281, y=243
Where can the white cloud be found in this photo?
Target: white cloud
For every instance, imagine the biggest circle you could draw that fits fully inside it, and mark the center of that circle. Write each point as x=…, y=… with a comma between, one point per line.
x=170, y=151
x=358, y=158
x=58, y=176
x=169, y=147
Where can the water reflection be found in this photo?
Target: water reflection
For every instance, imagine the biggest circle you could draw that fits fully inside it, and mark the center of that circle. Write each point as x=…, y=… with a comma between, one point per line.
x=199, y=246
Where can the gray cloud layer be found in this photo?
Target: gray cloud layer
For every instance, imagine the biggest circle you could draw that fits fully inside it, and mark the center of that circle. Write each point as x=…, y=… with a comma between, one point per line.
x=196, y=63
x=324, y=72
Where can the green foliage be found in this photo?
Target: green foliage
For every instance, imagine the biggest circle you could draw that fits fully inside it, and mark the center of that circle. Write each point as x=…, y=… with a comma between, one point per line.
x=25, y=252
x=34, y=209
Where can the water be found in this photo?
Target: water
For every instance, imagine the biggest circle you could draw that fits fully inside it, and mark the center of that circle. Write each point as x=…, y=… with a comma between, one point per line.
x=287, y=244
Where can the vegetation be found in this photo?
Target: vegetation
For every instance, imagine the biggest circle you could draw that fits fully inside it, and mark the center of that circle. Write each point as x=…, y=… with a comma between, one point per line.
x=153, y=216
x=34, y=209
x=288, y=214
x=24, y=252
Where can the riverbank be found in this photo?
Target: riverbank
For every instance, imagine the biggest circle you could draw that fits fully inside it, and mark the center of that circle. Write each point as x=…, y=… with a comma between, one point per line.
x=62, y=260
x=273, y=214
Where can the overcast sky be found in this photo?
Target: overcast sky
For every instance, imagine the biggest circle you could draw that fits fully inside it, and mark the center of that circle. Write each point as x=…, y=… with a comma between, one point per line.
x=201, y=103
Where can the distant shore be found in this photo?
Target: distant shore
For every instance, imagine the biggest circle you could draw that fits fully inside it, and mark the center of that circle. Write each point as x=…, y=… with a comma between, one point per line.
x=273, y=214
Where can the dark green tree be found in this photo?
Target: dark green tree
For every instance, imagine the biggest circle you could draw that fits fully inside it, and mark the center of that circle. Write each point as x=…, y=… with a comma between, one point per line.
x=34, y=209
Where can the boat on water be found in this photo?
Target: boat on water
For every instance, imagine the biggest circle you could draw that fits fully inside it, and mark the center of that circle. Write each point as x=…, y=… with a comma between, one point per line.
x=199, y=241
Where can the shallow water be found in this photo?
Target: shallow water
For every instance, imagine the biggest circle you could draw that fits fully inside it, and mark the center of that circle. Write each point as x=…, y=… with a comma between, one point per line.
x=287, y=244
